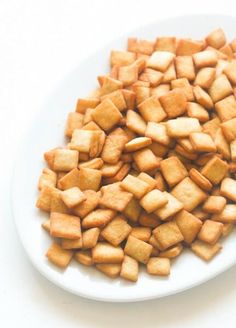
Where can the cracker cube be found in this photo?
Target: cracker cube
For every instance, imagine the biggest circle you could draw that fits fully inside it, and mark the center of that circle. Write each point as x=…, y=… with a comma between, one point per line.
x=108, y=85
x=110, y=270
x=157, y=132
x=137, y=143
x=106, y=115
x=220, y=88
x=183, y=85
x=57, y=204
x=65, y=159
x=174, y=103
x=72, y=197
x=229, y=129
x=216, y=38
x=68, y=180
x=215, y=170
x=64, y=226
x=129, y=269
x=202, y=142
x=202, y=97
x=195, y=110
x=84, y=257
x=44, y=199
x=228, y=215
x=160, y=60
x=168, y=234
x=82, y=140
x=210, y=232
x=109, y=170
x=89, y=179
x=187, y=47
x=106, y=253
x=74, y=121
x=173, y=170
x=200, y=180
x=135, y=122
x=122, y=58
x=204, y=250
x=158, y=266
x=116, y=231
x=182, y=127
x=205, y=59
x=128, y=74
x=113, y=146
x=172, y=252
x=145, y=160
x=166, y=44
x=184, y=67
x=72, y=243
x=84, y=103
x=228, y=188
x=226, y=108
x=114, y=197
x=233, y=150
x=98, y=218
x=142, y=233
x=138, y=249
x=90, y=237
x=88, y=205
x=188, y=224
x=148, y=220
x=151, y=110
x=230, y=71
x=132, y=210
x=59, y=256
x=148, y=179
x=48, y=178
x=153, y=200
x=135, y=186
x=172, y=207
x=214, y=204
x=189, y=194
x=205, y=76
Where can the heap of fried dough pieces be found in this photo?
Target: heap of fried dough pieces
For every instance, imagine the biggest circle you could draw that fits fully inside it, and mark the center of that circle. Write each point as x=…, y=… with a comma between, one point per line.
x=149, y=167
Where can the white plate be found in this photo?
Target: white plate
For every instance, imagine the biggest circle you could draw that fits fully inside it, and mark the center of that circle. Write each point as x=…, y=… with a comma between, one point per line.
x=47, y=132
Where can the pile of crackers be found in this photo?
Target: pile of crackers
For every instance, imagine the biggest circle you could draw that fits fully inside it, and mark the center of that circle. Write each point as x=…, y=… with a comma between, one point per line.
x=150, y=162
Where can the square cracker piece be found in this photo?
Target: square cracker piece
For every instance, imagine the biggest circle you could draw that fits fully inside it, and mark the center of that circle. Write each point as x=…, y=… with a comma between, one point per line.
x=202, y=142
x=116, y=231
x=145, y=160
x=106, y=114
x=158, y=266
x=173, y=170
x=153, y=200
x=59, y=256
x=114, y=197
x=229, y=129
x=220, y=88
x=106, y=253
x=172, y=207
x=160, y=60
x=226, y=108
x=65, y=226
x=215, y=170
x=182, y=127
x=228, y=188
x=98, y=218
x=189, y=194
x=228, y=215
x=204, y=250
x=168, y=234
x=65, y=159
x=113, y=146
x=72, y=197
x=129, y=269
x=151, y=110
x=210, y=231
x=89, y=179
x=135, y=186
x=214, y=204
x=138, y=249
x=88, y=205
x=188, y=224
x=174, y=103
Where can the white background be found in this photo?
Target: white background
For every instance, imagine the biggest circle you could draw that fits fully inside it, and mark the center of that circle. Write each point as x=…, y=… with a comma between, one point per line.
x=40, y=41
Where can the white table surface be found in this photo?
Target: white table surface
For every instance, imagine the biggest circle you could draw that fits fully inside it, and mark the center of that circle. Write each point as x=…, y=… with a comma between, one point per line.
x=40, y=41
